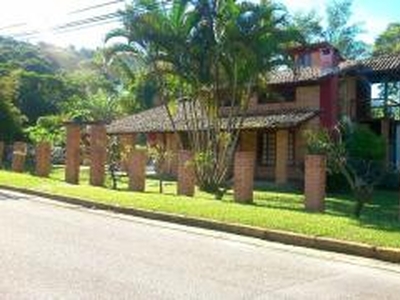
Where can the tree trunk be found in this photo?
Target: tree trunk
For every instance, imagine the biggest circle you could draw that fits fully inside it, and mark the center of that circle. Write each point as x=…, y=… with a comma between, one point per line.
x=160, y=184
x=358, y=208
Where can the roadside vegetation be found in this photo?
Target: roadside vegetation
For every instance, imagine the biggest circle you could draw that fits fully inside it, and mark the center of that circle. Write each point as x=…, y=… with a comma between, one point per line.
x=272, y=209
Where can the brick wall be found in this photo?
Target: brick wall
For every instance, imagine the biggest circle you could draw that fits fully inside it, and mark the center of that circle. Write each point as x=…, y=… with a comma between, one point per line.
x=315, y=183
x=43, y=159
x=244, y=176
x=137, y=170
x=98, y=154
x=248, y=140
x=186, y=174
x=306, y=97
x=72, y=159
x=172, y=147
x=19, y=155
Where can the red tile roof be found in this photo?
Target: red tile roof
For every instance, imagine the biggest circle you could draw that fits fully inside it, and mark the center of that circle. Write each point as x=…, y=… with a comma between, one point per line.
x=156, y=120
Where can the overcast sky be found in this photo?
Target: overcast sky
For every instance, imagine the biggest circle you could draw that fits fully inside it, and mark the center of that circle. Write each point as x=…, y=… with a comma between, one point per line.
x=43, y=15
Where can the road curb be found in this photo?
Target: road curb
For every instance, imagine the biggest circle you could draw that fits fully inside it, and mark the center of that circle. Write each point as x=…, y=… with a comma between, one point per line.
x=289, y=238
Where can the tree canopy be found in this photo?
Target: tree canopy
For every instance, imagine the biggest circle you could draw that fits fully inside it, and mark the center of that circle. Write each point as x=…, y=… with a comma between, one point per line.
x=338, y=30
x=43, y=80
x=212, y=54
x=388, y=42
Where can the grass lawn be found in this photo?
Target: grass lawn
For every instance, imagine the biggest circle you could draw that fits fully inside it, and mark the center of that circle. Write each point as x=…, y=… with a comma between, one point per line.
x=272, y=209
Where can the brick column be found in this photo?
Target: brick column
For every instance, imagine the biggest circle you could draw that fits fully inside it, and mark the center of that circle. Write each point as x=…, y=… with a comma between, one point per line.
x=19, y=155
x=315, y=182
x=127, y=142
x=98, y=154
x=72, y=160
x=282, y=149
x=244, y=177
x=1, y=154
x=43, y=159
x=137, y=170
x=186, y=174
x=248, y=140
x=173, y=148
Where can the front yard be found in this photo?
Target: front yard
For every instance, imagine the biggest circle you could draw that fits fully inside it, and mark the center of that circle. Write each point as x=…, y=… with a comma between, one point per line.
x=272, y=209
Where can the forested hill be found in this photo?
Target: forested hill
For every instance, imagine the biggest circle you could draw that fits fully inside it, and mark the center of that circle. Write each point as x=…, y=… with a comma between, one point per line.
x=68, y=59
x=33, y=82
x=42, y=58
x=20, y=55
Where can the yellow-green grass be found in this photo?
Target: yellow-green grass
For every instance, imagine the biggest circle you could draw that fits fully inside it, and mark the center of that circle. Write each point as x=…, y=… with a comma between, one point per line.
x=272, y=209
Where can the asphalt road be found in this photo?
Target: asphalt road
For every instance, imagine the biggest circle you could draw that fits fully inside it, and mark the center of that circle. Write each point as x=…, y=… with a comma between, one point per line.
x=57, y=251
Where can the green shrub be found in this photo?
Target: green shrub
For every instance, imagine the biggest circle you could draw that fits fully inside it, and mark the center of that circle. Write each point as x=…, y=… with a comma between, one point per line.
x=390, y=181
x=363, y=143
x=336, y=183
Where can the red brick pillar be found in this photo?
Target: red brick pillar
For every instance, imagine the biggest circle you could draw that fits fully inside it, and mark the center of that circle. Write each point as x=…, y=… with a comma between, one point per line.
x=186, y=174
x=137, y=170
x=244, y=177
x=315, y=182
x=1, y=153
x=43, y=159
x=172, y=147
x=72, y=160
x=98, y=154
x=19, y=155
x=127, y=142
x=282, y=150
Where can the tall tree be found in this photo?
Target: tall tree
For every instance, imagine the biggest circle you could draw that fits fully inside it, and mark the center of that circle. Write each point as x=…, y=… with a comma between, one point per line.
x=214, y=53
x=388, y=42
x=11, y=119
x=338, y=31
x=309, y=26
x=343, y=34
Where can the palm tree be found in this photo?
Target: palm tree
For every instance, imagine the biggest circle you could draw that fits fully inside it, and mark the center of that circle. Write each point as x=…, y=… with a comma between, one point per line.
x=216, y=51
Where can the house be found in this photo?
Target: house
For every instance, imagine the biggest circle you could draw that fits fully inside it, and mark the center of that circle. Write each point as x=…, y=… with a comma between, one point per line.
x=320, y=90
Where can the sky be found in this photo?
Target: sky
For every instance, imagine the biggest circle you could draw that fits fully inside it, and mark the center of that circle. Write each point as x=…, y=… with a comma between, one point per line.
x=375, y=15
x=44, y=15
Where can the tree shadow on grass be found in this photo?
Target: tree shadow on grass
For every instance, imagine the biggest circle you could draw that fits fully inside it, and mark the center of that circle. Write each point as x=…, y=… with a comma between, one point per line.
x=381, y=214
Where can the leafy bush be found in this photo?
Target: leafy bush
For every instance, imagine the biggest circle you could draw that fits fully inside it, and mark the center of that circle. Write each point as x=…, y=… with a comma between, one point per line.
x=48, y=129
x=390, y=181
x=363, y=143
x=355, y=152
x=317, y=142
x=337, y=183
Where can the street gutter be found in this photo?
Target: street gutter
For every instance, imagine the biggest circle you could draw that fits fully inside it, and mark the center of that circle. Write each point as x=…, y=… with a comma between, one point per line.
x=284, y=237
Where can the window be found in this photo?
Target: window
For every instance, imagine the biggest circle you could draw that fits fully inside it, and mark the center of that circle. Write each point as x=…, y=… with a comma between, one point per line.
x=385, y=99
x=267, y=148
x=304, y=60
x=279, y=93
